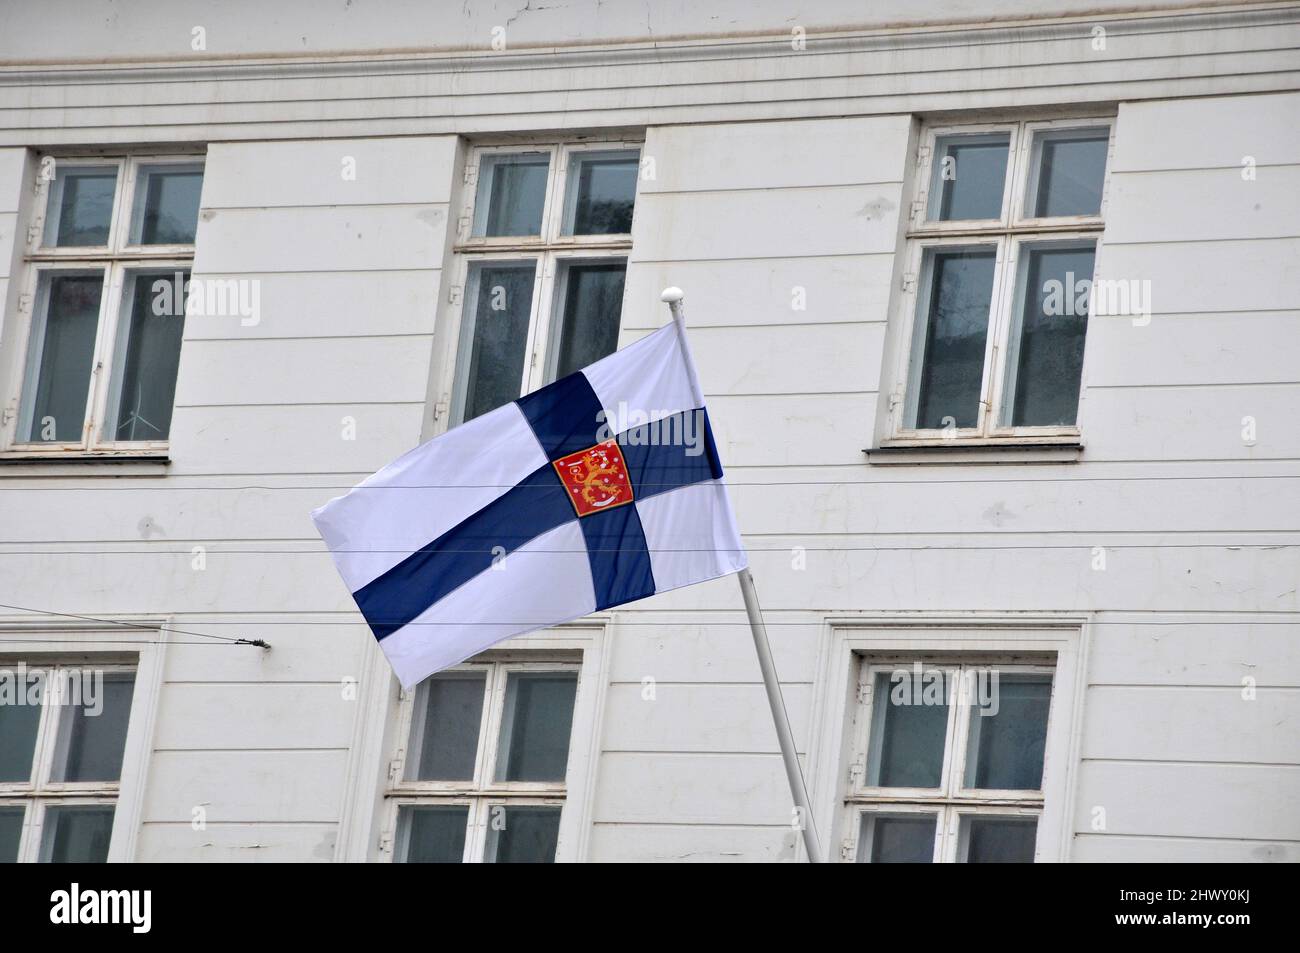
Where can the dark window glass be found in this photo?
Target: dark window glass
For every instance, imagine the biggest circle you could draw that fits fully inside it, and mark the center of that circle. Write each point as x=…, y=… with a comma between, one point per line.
x=535, y=726
x=84, y=206
x=956, y=329
x=452, y=710
x=77, y=835
x=971, y=174
x=593, y=303
x=523, y=835
x=63, y=348
x=909, y=729
x=1000, y=840
x=435, y=835
x=1005, y=747
x=605, y=185
x=1072, y=168
x=150, y=352
x=496, y=335
x=1048, y=342
x=899, y=839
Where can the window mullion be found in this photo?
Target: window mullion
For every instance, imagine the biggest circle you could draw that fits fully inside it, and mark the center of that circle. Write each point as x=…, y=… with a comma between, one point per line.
x=1001, y=320
x=105, y=354
x=540, y=321
x=47, y=732
x=492, y=712
x=948, y=782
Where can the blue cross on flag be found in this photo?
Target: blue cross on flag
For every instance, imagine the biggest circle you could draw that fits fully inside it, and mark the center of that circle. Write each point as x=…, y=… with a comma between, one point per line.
x=600, y=489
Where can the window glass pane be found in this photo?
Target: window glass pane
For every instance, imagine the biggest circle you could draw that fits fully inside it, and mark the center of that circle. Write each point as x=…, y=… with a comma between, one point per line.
x=535, y=726
x=92, y=726
x=909, y=728
x=20, y=716
x=81, y=206
x=1045, y=360
x=11, y=833
x=988, y=839
x=60, y=353
x=511, y=195
x=494, y=336
x=1070, y=171
x=948, y=356
x=444, y=732
x=522, y=835
x=432, y=835
x=167, y=204
x=1004, y=750
x=593, y=303
x=970, y=173
x=897, y=838
x=77, y=835
x=148, y=353
x=601, y=193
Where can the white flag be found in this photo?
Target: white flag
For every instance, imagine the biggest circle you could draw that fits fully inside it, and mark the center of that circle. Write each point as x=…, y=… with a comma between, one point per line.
x=600, y=489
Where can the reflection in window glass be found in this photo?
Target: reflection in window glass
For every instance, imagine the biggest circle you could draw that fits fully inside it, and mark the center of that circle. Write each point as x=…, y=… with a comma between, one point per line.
x=1070, y=170
x=897, y=838
x=909, y=727
x=511, y=194
x=76, y=834
x=11, y=833
x=969, y=177
x=445, y=729
x=1045, y=355
x=601, y=193
x=526, y=834
x=494, y=337
x=593, y=303
x=148, y=353
x=62, y=347
x=81, y=206
x=995, y=839
x=19, y=721
x=948, y=360
x=167, y=205
x=1004, y=750
x=535, y=726
x=92, y=729
x=433, y=834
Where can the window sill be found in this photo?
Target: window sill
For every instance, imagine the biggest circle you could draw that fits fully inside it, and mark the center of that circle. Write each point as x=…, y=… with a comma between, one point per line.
x=985, y=450
x=21, y=463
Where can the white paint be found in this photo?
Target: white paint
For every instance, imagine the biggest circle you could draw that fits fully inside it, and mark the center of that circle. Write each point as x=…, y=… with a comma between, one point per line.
x=773, y=170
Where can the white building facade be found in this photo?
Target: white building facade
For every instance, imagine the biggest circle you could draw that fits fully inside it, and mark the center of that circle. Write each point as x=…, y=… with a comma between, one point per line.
x=995, y=311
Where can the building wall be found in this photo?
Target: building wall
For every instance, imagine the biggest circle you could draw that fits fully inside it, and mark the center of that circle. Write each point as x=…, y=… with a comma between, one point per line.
x=773, y=172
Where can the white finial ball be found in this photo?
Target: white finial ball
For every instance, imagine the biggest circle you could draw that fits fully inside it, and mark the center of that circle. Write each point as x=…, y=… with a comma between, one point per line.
x=672, y=295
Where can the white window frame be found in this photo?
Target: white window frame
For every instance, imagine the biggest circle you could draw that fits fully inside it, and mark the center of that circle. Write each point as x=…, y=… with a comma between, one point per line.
x=483, y=792
x=68, y=644
x=1005, y=236
x=551, y=249
x=1057, y=639
x=117, y=260
x=950, y=800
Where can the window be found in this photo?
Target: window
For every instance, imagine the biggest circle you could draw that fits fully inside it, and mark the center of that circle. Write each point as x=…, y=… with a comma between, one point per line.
x=949, y=762
x=482, y=777
x=544, y=245
x=998, y=286
x=63, y=733
x=110, y=261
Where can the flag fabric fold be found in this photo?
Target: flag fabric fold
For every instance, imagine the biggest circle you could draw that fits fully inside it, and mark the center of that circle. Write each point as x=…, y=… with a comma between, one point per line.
x=600, y=489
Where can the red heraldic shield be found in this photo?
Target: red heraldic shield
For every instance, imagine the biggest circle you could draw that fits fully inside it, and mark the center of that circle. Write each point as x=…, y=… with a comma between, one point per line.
x=596, y=478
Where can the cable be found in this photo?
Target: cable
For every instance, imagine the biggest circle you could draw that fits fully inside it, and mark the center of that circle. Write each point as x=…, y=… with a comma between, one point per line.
x=137, y=625
x=751, y=549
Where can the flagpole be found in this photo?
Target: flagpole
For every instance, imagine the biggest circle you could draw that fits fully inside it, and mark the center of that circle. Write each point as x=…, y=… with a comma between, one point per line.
x=784, y=736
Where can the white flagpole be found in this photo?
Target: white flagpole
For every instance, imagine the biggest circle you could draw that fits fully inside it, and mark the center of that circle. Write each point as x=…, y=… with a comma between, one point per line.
x=784, y=736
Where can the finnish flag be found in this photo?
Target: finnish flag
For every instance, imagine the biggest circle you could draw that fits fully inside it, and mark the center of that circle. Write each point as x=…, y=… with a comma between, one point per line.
x=602, y=488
